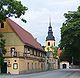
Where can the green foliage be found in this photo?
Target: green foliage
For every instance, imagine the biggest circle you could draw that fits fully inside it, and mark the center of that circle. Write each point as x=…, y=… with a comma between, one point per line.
x=54, y=50
x=3, y=50
x=10, y=8
x=2, y=45
x=70, y=37
x=1, y=61
x=48, y=49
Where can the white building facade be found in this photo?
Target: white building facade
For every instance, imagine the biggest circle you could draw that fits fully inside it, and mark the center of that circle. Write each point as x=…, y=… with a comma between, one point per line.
x=64, y=65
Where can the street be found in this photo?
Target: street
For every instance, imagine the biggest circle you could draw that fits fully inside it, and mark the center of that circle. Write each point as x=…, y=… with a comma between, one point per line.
x=70, y=73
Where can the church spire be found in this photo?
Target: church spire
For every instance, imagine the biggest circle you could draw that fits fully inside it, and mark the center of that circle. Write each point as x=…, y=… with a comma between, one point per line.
x=50, y=32
x=50, y=28
x=49, y=21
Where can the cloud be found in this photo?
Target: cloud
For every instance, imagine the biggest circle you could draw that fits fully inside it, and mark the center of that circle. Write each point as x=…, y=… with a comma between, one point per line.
x=38, y=14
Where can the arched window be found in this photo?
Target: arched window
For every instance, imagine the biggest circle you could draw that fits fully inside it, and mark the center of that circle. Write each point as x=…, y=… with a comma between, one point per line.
x=48, y=43
x=54, y=43
x=12, y=51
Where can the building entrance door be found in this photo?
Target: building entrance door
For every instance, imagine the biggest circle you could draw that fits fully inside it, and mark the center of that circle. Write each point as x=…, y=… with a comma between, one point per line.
x=4, y=68
x=64, y=66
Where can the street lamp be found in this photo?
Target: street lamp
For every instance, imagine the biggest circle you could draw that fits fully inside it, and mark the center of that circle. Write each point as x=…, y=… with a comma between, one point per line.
x=72, y=61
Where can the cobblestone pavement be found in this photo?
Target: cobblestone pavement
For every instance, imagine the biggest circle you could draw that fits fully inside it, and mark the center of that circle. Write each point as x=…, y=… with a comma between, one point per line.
x=71, y=73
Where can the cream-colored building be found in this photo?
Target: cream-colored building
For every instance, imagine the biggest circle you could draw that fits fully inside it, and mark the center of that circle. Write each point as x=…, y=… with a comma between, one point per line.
x=24, y=53
x=51, y=62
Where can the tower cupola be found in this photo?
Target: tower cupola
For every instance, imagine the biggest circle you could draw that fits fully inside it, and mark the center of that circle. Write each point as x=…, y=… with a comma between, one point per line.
x=50, y=33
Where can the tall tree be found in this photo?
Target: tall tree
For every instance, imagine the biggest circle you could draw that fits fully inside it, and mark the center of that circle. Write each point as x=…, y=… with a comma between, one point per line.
x=10, y=8
x=2, y=49
x=54, y=51
x=70, y=37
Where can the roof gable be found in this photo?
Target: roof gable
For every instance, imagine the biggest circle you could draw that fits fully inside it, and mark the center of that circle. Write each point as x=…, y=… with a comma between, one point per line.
x=24, y=35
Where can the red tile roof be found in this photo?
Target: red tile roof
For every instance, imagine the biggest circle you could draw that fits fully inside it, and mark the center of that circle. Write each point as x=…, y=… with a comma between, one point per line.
x=24, y=35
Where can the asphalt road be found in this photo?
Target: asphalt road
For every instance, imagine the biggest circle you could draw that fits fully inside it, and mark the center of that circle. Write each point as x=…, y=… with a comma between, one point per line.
x=71, y=73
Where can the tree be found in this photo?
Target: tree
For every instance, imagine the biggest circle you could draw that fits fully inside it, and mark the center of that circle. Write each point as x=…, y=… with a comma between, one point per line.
x=54, y=50
x=70, y=37
x=10, y=8
x=2, y=49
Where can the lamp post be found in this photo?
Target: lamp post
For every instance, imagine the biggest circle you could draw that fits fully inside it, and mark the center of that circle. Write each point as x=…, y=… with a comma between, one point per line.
x=72, y=61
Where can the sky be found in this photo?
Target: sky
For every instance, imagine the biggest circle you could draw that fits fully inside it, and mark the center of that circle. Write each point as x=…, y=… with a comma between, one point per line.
x=38, y=14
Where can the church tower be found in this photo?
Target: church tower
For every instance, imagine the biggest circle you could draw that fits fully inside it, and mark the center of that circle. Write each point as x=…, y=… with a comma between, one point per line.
x=50, y=39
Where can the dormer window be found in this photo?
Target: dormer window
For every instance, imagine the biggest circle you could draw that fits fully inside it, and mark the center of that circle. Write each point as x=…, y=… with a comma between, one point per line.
x=2, y=25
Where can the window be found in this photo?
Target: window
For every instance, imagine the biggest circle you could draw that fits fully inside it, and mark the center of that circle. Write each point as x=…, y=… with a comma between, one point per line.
x=40, y=54
x=32, y=51
x=25, y=50
x=2, y=25
x=15, y=66
x=35, y=65
x=28, y=49
x=28, y=66
x=12, y=51
x=28, y=52
x=32, y=65
x=43, y=55
x=36, y=53
x=48, y=43
x=54, y=43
